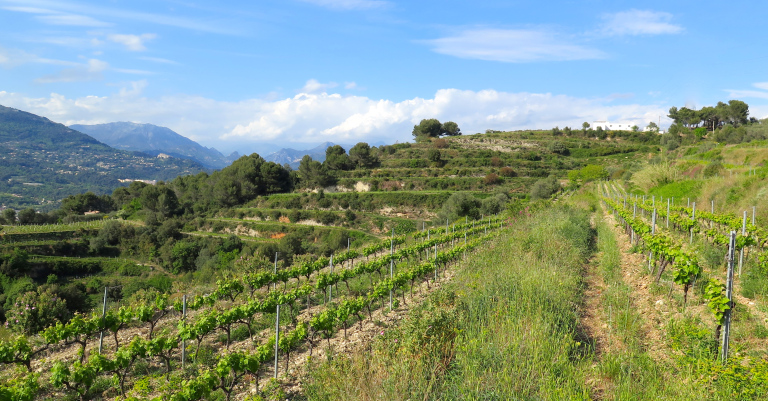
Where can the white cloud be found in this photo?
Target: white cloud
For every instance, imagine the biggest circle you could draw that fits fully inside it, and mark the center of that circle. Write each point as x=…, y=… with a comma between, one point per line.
x=349, y=4
x=746, y=93
x=132, y=42
x=315, y=118
x=350, y=85
x=91, y=71
x=639, y=22
x=313, y=86
x=14, y=57
x=67, y=7
x=158, y=60
x=512, y=46
x=71, y=20
x=761, y=85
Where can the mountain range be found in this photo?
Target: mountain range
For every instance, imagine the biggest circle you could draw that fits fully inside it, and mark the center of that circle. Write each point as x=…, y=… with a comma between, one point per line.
x=293, y=157
x=154, y=140
x=41, y=162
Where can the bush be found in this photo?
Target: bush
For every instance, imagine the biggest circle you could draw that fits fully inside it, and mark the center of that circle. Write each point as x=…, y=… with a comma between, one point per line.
x=34, y=311
x=545, y=188
x=507, y=172
x=460, y=204
x=491, y=179
x=440, y=143
x=713, y=169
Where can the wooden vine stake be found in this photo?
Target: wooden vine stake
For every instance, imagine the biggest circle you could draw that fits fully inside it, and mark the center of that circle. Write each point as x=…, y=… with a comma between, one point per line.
x=729, y=295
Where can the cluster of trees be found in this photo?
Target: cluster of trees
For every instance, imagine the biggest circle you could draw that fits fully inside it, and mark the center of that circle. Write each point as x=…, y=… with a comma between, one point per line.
x=313, y=174
x=735, y=113
x=432, y=128
x=462, y=204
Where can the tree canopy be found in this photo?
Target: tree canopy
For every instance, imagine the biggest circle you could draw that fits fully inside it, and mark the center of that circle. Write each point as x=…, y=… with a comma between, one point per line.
x=735, y=112
x=432, y=128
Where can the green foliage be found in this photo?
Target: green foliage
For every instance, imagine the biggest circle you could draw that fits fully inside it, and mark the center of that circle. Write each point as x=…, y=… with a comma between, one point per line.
x=36, y=310
x=434, y=156
x=678, y=190
x=450, y=128
x=545, y=188
x=559, y=148
x=336, y=158
x=460, y=204
x=670, y=140
x=427, y=128
x=713, y=169
x=362, y=156
x=314, y=174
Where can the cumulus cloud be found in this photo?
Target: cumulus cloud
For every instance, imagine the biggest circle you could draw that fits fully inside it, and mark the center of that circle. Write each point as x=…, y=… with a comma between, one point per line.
x=349, y=4
x=639, y=22
x=132, y=42
x=512, y=46
x=318, y=117
x=313, y=86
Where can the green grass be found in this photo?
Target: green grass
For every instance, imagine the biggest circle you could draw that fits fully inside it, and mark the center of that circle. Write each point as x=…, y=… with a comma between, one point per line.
x=506, y=328
x=678, y=190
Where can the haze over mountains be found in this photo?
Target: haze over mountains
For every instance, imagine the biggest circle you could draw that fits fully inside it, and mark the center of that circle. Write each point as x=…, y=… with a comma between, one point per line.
x=42, y=162
x=153, y=140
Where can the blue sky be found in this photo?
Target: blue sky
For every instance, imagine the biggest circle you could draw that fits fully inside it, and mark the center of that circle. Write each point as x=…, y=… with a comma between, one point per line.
x=250, y=76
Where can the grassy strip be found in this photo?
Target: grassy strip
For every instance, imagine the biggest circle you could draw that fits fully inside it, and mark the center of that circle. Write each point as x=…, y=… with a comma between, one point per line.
x=505, y=328
x=626, y=371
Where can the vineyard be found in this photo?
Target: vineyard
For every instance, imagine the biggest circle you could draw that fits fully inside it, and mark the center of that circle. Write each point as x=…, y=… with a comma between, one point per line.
x=393, y=282
x=167, y=334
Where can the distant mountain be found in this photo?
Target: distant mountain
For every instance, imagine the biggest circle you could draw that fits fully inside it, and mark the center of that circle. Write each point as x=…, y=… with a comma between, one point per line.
x=42, y=162
x=293, y=157
x=153, y=140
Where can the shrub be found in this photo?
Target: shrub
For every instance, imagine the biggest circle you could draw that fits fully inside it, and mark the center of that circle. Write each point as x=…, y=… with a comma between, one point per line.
x=558, y=148
x=491, y=179
x=460, y=204
x=440, y=143
x=496, y=162
x=545, y=188
x=34, y=311
x=713, y=169
x=507, y=172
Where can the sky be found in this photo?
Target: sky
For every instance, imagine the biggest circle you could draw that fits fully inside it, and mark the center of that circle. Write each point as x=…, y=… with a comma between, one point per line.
x=259, y=75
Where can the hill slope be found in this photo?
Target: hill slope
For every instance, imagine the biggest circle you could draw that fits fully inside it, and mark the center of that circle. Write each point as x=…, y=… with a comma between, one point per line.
x=42, y=162
x=153, y=140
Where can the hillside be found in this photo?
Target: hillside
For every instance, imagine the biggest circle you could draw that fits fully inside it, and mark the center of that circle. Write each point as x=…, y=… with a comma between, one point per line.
x=503, y=265
x=153, y=140
x=42, y=162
